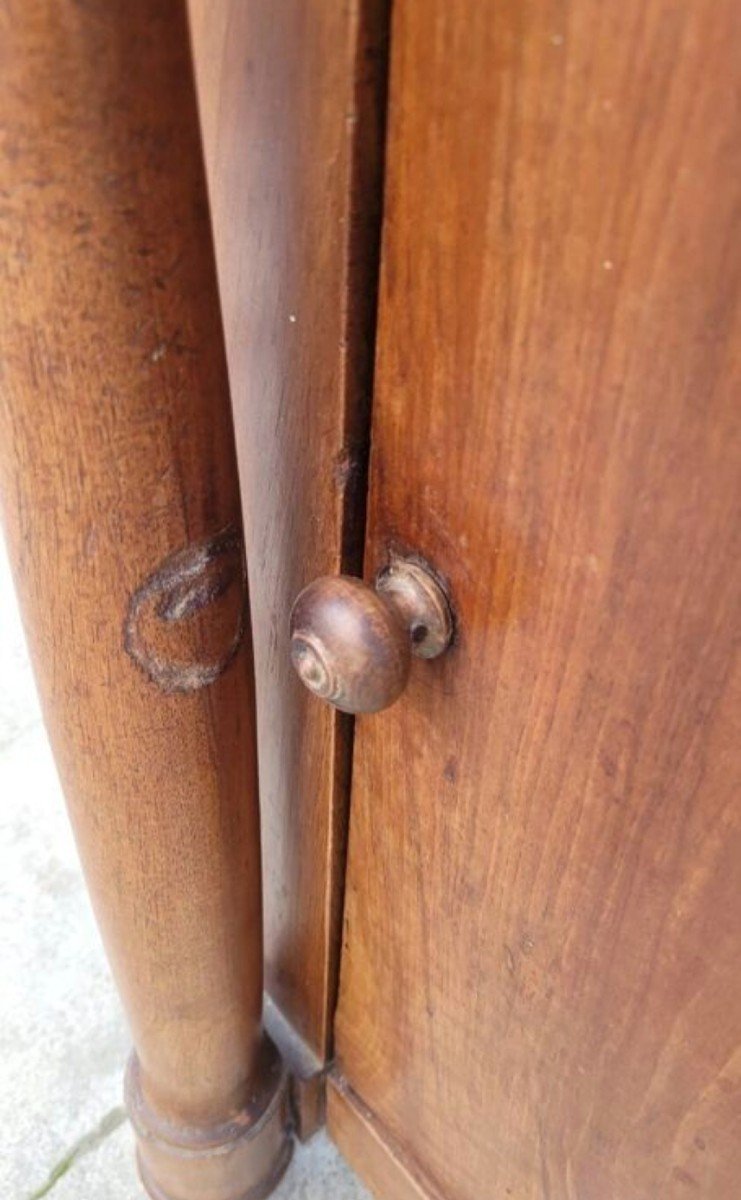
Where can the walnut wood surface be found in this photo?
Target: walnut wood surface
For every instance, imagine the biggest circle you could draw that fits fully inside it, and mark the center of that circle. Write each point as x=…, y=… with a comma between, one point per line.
x=349, y=645
x=542, y=960
x=290, y=95
x=121, y=507
x=366, y=1146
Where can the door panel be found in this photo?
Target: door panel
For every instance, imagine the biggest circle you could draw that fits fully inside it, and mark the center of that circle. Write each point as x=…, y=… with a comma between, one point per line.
x=291, y=98
x=541, y=977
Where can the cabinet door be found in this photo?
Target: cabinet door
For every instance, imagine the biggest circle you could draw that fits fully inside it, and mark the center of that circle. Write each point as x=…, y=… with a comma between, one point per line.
x=540, y=992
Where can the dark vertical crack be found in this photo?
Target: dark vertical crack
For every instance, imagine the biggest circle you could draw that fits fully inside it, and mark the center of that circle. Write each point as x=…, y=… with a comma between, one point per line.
x=368, y=133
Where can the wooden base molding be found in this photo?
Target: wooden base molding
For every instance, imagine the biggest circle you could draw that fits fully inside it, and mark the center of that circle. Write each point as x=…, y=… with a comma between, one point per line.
x=370, y=1150
x=241, y=1159
x=307, y=1075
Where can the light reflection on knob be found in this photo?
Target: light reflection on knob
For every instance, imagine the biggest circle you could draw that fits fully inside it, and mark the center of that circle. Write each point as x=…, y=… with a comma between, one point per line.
x=352, y=644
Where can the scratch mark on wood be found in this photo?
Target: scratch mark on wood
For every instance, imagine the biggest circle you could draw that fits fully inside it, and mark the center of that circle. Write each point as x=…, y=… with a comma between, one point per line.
x=185, y=584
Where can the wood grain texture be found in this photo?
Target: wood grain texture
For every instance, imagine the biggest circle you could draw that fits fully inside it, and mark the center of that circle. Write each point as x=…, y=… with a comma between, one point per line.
x=383, y=1167
x=542, y=958
x=366, y=1147
x=349, y=645
x=291, y=99
x=352, y=642
x=121, y=508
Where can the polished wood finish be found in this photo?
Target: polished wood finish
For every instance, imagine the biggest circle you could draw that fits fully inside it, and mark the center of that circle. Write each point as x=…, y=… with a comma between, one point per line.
x=291, y=101
x=348, y=645
x=352, y=644
x=542, y=956
x=121, y=508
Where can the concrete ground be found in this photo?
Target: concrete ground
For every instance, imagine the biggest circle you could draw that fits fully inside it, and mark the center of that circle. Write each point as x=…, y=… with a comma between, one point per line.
x=63, y=1041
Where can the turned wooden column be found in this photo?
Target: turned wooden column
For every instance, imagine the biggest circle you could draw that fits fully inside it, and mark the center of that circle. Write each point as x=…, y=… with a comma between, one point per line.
x=121, y=508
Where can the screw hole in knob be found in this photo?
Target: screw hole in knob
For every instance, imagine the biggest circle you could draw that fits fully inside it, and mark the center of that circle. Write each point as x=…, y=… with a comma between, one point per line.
x=352, y=645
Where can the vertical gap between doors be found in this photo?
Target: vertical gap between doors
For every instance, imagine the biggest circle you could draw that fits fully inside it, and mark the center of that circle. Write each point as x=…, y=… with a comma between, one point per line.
x=366, y=131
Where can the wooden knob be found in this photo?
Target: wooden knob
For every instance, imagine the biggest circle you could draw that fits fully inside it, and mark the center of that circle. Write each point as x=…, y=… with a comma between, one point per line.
x=352, y=644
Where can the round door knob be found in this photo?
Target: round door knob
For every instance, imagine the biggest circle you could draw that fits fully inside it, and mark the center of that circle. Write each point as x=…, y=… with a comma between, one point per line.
x=352, y=644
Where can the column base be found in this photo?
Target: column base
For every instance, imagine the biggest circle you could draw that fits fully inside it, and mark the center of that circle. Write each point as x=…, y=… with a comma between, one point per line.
x=243, y=1159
